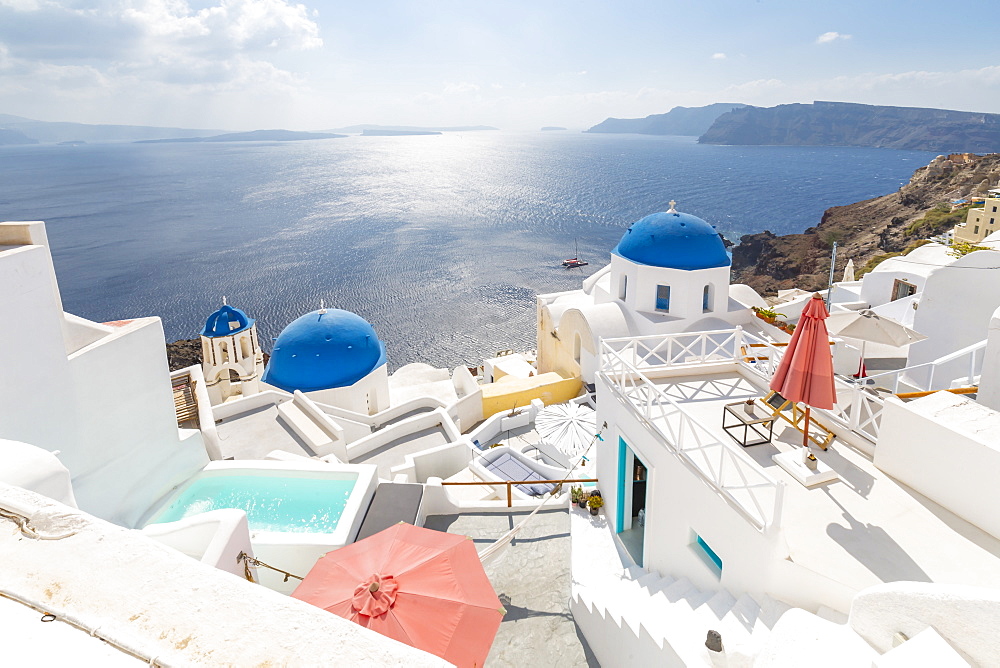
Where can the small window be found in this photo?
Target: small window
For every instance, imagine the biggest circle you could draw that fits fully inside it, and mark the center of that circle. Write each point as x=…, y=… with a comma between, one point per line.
x=663, y=298
x=902, y=289
x=623, y=288
x=992, y=220
x=976, y=231
x=577, y=345
x=994, y=209
x=708, y=555
x=706, y=299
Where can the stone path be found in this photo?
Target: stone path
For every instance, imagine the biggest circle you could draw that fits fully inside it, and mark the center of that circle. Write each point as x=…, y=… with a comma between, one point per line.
x=532, y=577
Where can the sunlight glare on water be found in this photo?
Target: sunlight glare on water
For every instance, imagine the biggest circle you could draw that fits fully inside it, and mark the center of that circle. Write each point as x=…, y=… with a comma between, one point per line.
x=441, y=242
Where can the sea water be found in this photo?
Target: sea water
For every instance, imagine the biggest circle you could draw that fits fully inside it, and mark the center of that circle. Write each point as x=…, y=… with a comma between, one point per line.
x=272, y=503
x=441, y=242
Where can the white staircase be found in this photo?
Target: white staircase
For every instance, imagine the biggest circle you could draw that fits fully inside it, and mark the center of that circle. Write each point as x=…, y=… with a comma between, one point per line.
x=647, y=619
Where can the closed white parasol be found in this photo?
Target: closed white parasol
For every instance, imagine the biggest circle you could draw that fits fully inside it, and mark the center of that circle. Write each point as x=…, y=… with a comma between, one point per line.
x=570, y=427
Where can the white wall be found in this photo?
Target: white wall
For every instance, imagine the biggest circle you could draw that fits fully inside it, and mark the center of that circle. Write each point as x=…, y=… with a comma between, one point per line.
x=954, y=310
x=967, y=617
x=368, y=396
x=989, y=383
x=945, y=447
x=107, y=407
x=171, y=607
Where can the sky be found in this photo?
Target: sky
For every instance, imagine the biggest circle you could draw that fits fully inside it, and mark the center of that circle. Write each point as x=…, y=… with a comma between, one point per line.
x=519, y=65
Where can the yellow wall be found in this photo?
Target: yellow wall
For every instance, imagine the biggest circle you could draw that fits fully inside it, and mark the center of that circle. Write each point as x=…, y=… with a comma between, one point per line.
x=512, y=392
x=986, y=219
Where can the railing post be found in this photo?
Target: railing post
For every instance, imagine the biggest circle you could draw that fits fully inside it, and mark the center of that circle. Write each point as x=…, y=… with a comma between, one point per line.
x=972, y=367
x=509, y=500
x=855, y=416
x=779, y=502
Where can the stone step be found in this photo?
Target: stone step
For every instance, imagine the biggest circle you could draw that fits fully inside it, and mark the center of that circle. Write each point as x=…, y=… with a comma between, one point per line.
x=717, y=606
x=745, y=612
x=677, y=589
x=771, y=611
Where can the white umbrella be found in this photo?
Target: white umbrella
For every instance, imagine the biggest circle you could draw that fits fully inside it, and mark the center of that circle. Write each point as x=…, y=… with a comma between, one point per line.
x=849, y=272
x=870, y=327
x=570, y=427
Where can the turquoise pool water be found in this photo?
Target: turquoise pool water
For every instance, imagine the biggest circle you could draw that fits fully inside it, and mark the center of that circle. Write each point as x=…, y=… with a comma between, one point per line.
x=272, y=503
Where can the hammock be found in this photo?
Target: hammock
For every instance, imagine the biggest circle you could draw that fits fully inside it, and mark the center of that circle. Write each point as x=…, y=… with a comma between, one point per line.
x=490, y=552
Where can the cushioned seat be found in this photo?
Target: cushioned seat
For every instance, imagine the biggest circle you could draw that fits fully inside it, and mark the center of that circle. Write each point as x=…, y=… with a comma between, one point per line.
x=509, y=468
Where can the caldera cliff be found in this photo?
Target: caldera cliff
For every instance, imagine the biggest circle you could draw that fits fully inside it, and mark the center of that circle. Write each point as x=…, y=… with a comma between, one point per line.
x=866, y=231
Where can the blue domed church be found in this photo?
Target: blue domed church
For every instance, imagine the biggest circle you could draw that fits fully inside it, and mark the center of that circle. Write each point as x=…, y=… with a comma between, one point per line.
x=669, y=273
x=334, y=357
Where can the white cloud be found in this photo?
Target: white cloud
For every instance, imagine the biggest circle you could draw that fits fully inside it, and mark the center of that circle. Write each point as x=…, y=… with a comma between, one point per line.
x=451, y=88
x=828, y=37
x=582, y=72
x=718, y=56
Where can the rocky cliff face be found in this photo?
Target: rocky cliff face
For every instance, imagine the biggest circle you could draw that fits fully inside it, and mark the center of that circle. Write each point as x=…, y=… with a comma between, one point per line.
x=864, y=230
x=689, y=121
x=845, y=124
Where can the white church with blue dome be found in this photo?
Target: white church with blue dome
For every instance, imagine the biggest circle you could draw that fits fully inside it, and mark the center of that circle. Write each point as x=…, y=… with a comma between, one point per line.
x=668, y=274
x=334, y=357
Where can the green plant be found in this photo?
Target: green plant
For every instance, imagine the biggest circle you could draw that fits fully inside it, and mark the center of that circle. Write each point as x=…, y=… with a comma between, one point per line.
x=963, y=248
x=766, y=312
x=574, y=494
x=595, y=502
x=939, y=219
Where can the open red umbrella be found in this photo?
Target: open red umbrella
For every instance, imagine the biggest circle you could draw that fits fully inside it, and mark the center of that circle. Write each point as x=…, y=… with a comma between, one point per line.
x=425, y=588
x=805, y=374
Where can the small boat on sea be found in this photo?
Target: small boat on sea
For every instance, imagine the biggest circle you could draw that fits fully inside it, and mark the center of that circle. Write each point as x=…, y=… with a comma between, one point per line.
x=574, y=261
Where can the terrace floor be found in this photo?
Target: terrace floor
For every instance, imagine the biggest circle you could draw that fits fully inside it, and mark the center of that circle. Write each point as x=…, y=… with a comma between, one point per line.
x=862, y=529
x=538, y=629
x=253, y=434
x=394, y=452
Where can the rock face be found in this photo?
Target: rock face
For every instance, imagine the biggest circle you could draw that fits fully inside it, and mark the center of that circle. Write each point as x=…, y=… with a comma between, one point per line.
x=846, y=124
x=183, y=353
x=864, y=230
x=690, y=121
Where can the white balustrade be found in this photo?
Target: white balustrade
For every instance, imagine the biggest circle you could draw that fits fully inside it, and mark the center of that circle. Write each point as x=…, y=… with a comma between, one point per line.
x=738, y=478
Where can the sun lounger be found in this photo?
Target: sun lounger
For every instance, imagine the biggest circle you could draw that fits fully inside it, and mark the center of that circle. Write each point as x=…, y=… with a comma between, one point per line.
x=791, y=413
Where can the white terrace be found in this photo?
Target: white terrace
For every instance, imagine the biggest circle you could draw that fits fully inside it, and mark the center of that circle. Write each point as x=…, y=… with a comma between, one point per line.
x=862, y=529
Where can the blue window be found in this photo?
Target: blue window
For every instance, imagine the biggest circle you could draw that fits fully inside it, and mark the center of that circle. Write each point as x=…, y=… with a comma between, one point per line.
x=706, y=299
x=663, y=298
x=709, y=552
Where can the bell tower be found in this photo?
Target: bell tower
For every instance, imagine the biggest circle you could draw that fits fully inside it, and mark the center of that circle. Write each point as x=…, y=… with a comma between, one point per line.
x=232, y=360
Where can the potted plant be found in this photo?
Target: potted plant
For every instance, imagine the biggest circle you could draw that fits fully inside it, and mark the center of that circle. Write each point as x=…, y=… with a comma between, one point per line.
x=595, y=503
x=766, y=314
x=581, y=499
x=574, y=494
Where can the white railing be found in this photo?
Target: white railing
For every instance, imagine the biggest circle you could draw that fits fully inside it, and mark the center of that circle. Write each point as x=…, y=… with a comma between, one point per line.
x=928, y=376
x=730, y=471
x=858, y=408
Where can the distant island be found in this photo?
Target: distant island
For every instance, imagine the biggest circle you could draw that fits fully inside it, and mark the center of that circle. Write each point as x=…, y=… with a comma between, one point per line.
x=72, y=142
x=254, y=135
x=397, y=133
x=57, y=132
x=360, y=129
x=11, y=137
x=550, y=128
x=685, y=121
x=849, y=124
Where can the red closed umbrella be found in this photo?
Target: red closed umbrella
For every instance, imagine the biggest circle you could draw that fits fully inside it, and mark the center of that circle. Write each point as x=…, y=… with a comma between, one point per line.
x=805, y=374
x=422, y=587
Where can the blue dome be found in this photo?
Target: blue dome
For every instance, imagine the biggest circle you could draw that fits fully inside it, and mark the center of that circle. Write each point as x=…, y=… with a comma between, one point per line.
x=226, y=321
x=322, y=350
x=674, y=240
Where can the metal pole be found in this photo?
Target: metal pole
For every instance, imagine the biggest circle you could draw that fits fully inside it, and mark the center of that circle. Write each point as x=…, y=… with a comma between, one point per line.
x=833, y=267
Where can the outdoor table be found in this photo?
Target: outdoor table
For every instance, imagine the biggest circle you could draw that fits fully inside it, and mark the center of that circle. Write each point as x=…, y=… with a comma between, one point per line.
x=751, y=418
